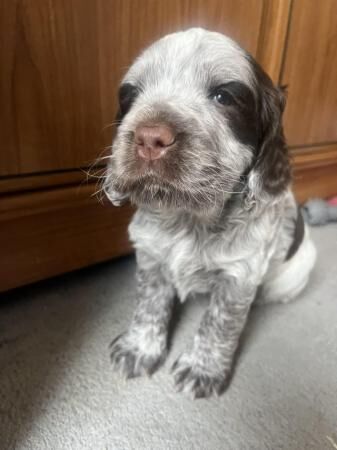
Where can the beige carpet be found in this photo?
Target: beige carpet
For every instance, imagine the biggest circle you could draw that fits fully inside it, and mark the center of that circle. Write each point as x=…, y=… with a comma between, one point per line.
x=57, y=390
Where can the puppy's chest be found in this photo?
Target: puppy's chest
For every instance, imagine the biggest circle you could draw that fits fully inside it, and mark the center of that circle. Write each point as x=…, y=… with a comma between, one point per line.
x=191, y=253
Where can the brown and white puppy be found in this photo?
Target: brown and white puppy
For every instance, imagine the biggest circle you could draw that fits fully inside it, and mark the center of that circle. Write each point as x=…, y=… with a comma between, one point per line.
x=200, y=150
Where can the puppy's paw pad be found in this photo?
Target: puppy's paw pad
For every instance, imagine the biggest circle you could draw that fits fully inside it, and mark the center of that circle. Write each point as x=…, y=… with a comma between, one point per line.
x=196, y=381
x=130, y=361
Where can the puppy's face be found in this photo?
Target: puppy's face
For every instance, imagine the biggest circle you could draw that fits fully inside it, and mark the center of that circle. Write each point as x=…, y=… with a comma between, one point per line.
x=190, y=126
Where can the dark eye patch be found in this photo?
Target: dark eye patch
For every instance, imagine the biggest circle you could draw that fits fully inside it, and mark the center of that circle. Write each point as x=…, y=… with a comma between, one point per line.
x=237, y=103
x=126, y=96
x=233, y=92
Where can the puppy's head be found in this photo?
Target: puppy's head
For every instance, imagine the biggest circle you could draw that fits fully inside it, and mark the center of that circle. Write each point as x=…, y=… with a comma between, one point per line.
x=198, y=121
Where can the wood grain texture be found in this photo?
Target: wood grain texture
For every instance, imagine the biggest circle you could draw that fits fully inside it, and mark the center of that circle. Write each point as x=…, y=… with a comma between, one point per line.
x=36, y=182
x=38, y=241
x=50, y=89
x=272, y=37
x=62, y=61
x=310, y=71
x=315, y=172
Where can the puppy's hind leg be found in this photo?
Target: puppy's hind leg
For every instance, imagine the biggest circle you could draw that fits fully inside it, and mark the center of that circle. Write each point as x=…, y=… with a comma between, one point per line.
x=143, y=348
x=285, y=282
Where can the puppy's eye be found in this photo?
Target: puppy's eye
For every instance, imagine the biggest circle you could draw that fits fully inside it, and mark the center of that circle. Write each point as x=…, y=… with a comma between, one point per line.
x=127, y=95
x=222, y=96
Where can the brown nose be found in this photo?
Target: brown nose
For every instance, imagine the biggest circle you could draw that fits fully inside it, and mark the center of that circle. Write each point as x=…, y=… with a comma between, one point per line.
x=153, y=141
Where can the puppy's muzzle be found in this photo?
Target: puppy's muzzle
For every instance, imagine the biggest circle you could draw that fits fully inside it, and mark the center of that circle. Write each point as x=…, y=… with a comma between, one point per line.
x=154, y=141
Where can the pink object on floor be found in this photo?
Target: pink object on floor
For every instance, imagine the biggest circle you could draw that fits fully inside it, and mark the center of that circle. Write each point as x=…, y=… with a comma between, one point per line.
x=332, y=201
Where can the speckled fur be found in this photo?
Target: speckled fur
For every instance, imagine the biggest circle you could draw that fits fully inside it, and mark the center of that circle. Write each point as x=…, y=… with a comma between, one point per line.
x=221, y=239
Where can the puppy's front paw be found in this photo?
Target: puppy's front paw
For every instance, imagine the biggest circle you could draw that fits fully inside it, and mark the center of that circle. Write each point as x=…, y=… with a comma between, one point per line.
x=128, y=359
x=193, y=378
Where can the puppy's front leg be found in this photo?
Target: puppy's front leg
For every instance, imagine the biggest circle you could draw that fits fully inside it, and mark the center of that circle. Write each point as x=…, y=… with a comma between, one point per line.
x=143, y=347
x=205, y=370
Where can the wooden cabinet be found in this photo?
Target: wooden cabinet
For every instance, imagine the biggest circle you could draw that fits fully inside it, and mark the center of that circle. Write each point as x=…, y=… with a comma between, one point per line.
x=61, y=62
x=50, y=85
x=310, y=72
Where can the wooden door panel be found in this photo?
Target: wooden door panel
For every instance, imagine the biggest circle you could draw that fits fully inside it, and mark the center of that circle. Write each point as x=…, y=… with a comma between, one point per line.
x=51, y=86
x=140, y=22
x=62, y=61
x=43, y=234
x=310, y=71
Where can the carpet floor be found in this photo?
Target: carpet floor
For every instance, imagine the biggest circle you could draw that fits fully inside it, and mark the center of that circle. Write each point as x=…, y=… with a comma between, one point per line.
x=58, y=392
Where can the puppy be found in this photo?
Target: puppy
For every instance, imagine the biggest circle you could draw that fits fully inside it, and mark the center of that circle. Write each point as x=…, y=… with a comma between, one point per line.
x=200, y=150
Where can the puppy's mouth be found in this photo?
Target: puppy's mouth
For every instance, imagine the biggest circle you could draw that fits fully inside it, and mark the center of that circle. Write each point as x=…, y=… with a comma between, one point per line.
x=152, y=161
x=148, y=180
x=158, y=167
x=154, y=167
x=150, y=189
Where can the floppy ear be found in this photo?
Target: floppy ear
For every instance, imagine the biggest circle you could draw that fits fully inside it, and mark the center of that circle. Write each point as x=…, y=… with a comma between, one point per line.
x=271, y=168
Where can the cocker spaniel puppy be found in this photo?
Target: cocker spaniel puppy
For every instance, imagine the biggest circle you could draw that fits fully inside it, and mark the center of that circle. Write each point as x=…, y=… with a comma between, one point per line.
x=200, y=150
